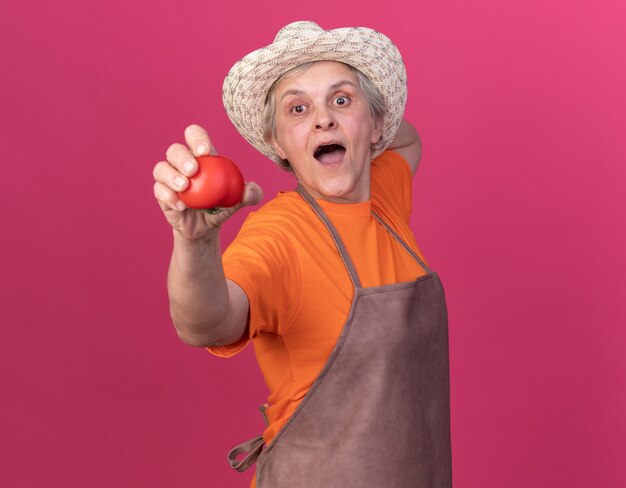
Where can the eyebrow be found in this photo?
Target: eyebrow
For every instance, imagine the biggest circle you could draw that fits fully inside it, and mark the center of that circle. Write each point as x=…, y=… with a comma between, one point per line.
x=332, y=87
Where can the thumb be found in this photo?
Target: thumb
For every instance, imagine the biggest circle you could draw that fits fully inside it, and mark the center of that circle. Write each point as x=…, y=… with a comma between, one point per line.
x=252, y=194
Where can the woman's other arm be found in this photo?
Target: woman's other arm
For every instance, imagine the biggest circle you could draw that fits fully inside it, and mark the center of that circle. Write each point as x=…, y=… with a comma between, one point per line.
x=408, y=144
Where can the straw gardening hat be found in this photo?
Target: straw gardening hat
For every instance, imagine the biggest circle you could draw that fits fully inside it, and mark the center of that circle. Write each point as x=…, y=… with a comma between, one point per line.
x=249, y=80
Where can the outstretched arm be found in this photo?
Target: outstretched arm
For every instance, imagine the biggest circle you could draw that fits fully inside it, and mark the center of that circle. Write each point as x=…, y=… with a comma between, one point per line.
x=206, y=308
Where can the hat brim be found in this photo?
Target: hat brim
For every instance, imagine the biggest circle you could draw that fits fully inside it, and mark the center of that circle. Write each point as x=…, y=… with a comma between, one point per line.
x=249, y=80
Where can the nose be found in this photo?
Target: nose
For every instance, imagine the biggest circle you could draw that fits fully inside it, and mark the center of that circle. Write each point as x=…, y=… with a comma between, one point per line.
x=324, y=119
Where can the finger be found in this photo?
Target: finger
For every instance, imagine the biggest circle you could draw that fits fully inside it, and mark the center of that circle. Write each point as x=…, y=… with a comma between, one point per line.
x=166, y=174
x=179, y=156
x=167, y=198
x=198, y=140
x=252, y=194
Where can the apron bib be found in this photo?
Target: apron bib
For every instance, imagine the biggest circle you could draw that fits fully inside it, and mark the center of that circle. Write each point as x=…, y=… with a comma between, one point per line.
x=378, y=414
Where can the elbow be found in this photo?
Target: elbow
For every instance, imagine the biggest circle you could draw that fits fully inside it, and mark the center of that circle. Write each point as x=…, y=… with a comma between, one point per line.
x=205, y=339
x=194, y=329
x=203, y=335
x=213, y=329
x=197, y=335
x=194, y=340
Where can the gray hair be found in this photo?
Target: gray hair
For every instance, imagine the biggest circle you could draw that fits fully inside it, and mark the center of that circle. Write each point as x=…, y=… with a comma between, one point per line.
x=375, y=100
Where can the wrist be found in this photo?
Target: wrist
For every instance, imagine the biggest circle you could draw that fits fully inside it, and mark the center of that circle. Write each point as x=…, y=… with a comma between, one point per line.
x=207, y=239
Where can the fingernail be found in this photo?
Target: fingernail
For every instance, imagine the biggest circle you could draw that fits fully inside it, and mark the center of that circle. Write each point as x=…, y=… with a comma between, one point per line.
x=179, y=181
x=180, y=205
x=201, y=149
x=189, y=166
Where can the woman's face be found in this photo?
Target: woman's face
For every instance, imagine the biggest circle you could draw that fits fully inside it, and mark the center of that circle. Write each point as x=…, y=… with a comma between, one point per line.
x=325, y=128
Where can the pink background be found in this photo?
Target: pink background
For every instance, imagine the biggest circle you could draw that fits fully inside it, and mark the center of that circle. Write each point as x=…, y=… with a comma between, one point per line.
x=519, y=205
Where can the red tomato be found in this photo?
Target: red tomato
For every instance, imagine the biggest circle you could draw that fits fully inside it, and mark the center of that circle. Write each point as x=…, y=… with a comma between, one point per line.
x=218, y=183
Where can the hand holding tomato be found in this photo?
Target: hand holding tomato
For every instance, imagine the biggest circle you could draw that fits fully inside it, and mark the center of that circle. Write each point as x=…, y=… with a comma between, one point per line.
x=174, y=176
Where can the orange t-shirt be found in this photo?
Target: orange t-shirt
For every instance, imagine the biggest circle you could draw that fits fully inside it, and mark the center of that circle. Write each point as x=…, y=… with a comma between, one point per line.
x=298, y=287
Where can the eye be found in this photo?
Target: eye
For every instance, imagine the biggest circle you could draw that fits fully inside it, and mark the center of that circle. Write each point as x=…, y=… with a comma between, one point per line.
x=297, y=109
x=342, y=100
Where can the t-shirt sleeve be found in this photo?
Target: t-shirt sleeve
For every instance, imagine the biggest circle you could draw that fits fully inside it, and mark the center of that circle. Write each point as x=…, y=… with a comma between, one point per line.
x=391, y=184
x=256, y=261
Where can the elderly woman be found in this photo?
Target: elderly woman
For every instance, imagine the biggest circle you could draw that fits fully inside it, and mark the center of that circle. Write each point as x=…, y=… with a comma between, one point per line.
x=348, y=323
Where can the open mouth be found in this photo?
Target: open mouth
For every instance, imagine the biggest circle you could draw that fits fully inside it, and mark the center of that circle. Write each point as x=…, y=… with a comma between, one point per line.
x=329, y=153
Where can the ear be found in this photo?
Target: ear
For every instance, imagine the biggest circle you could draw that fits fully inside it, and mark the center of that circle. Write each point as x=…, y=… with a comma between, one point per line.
x=279, y=150
x=377, y=133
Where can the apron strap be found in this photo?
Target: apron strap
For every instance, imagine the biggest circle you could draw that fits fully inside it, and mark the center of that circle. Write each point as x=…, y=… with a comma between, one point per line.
x=397, y=237
x=251, y=448
x=334, y=234
x=340, y=245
